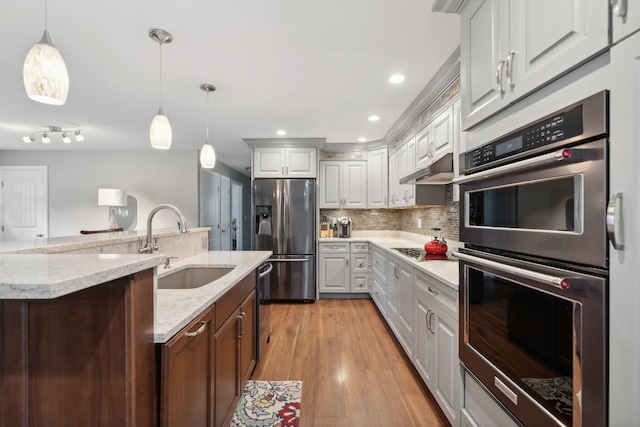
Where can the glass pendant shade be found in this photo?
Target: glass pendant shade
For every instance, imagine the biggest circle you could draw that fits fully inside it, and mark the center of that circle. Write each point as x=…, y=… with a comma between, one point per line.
x=160, y=131
x=45, y=74
x=207, y=156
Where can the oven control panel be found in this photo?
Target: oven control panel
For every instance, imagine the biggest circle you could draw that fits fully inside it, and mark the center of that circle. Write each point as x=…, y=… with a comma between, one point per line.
x=559, y=127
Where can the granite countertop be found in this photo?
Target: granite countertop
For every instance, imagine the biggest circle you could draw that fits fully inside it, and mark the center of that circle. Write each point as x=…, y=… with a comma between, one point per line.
x=82, y=241
x=175, y=308
x=444, y=271
x=42, y=276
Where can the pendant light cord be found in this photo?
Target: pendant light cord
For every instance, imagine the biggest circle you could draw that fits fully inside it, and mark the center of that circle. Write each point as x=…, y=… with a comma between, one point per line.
x=160, y=74
x=207, y=117
x=45, y=15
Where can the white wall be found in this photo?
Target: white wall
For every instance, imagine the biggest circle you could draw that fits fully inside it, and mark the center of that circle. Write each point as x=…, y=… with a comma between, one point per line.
x=152, y=177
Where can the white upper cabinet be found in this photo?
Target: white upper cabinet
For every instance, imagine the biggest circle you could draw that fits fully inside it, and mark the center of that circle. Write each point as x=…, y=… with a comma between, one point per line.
x=288, y=162
x=511, y=48
x=343, y=184
x=394, y=180
x=442, y=133
x=625, y=17
x=424, y=146
x=377, y=178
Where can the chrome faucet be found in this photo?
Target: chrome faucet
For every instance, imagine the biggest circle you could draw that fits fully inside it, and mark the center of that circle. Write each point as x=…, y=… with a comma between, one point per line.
x=150, y=248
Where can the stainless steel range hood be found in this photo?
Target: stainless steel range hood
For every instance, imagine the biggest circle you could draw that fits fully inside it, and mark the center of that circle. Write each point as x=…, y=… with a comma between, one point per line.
x=439, y=172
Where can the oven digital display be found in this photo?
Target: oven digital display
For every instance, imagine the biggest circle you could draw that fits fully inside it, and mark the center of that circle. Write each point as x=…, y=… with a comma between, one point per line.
x=509, y=146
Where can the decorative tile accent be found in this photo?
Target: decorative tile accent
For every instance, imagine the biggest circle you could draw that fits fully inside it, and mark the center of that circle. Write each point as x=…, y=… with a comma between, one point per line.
x=341, y=155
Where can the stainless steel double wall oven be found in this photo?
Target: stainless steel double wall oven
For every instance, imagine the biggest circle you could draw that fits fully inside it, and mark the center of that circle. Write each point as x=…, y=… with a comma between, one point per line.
x=533, y=294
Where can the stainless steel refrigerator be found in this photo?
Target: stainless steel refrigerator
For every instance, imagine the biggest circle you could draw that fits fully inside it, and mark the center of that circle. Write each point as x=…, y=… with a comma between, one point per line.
x=284, y=222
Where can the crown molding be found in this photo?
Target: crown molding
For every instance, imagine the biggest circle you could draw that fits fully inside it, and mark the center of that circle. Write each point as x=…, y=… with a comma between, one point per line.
x=448, y=6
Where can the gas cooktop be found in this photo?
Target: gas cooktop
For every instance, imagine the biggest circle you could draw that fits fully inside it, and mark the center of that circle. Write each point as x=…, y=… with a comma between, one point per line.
x=419, y=254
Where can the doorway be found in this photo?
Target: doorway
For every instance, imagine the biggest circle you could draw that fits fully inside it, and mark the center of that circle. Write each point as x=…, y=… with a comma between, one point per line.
x=24, y=212
x=236, y=216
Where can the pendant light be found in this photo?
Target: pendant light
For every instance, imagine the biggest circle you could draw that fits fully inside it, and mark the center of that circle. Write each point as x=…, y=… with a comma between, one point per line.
x=160, y=130
x=207, y=153
x=44, y=73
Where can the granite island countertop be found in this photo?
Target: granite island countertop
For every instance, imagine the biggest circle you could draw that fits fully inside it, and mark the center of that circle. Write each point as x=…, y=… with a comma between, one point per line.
x=175, y=308
x=444, y=271
x=45, y=276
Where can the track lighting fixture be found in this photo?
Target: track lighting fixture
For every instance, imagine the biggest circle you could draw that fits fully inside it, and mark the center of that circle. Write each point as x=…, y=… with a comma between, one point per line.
x=55, y=129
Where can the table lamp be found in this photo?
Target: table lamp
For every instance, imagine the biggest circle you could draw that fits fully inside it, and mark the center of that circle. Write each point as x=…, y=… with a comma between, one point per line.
x=112, y=197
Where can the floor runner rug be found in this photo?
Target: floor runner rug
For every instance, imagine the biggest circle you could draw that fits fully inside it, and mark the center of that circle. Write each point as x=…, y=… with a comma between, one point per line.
x=269, y=404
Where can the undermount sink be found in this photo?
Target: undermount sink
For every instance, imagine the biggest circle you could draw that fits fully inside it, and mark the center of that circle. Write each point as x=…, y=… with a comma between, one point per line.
x=190, y=278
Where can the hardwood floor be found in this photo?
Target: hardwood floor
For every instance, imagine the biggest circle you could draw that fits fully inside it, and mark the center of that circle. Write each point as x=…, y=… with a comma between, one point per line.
x=352, y=370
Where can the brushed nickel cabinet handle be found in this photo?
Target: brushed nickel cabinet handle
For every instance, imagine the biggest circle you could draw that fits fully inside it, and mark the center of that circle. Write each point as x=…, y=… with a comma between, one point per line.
x=509, y=68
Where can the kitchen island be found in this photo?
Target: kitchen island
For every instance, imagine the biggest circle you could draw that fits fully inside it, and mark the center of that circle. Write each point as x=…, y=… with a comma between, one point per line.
x=78, y=330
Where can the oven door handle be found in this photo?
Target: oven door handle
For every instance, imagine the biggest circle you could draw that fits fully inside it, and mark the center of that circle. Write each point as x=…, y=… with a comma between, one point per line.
x=555, y=156
x=557, y=282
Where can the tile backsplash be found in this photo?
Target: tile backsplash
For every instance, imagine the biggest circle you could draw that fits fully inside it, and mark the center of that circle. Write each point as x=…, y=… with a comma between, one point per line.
x=445, y=217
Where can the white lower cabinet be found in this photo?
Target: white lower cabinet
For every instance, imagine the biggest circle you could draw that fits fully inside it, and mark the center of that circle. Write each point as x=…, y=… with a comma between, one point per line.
x=343, y=267
x=400, y=302
x=378, y=279
x=436, y=342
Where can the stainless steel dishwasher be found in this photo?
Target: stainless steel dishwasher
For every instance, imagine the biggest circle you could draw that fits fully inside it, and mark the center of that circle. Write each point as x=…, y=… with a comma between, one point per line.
x=264, y=311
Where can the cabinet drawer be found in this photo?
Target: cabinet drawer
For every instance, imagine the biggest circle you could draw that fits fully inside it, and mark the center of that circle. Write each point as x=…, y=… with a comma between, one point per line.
x=379, y=262
x=359, y=247
x=360, y=263
x=359, y=282
x=233, y=298
x=443, y=296
x=334, y=248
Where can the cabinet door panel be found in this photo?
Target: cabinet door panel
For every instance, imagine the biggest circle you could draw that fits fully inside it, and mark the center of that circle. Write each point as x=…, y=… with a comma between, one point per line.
x=628, y=24
x=485, y=37
x=330, y=185
x=423, y=346
x=334, y=273
x=423, y=147
x=377, y=178
x=550, y=37
x=355, y=184
x=248, y=340
x=186, y=372
x=300, y=163
x=268, y=162
x=448, y=371
x=443, y=133
x=227, y=380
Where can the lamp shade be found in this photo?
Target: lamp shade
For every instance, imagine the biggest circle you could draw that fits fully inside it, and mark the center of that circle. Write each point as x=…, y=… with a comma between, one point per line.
x=160, y=131
x=45, y=74
x=207, y=156
x=112, y=197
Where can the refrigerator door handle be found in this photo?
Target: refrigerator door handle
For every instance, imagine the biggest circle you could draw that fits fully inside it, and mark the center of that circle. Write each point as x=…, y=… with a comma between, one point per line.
x=288, y=260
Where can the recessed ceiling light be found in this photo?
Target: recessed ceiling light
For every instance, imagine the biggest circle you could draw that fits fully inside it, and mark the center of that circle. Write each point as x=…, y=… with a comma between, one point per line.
x=397, y=78
x=374, y=118
x=281, y=132
x=362, y=139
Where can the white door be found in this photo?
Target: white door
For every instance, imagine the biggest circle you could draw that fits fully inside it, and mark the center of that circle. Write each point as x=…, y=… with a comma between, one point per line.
x=443, y=133
x=334, y=273
x=24, y=202
x=485, y=37
x=549, y=37
x=447, y=375
x=225, y=213
x=330, y=184
x=625, y=17
x=210, y=207
x=236, y=216
x=394, y=196
x=300, y=162
x=423, y=147
x=354, y=184
x=624, y=179
x=377, y=178
x=268, y=162
x=423, y=349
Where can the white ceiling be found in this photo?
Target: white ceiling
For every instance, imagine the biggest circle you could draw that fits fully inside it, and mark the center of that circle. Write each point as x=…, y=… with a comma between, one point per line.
x=313, y=68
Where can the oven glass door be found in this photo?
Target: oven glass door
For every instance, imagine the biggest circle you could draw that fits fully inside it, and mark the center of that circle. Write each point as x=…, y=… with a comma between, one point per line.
x=552, y=205
x=526, y=334
x=535, y=336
